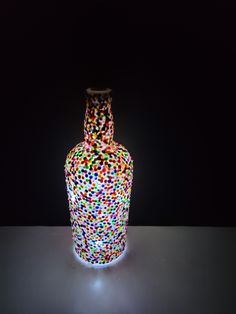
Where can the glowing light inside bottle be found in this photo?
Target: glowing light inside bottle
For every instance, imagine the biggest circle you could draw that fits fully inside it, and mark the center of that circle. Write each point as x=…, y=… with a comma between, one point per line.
x=99, y=175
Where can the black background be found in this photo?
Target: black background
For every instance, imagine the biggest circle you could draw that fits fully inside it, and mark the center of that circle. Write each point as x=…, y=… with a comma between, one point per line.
x=172, y=71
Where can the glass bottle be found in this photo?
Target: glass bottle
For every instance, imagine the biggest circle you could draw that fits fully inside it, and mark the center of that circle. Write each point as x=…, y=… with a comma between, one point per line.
x=99, y=174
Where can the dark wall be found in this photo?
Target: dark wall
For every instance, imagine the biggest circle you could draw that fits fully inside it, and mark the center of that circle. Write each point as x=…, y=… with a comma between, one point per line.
x=172, y=71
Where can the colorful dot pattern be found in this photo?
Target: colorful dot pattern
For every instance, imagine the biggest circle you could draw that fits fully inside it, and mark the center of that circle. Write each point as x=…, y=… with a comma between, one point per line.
x=99, y=175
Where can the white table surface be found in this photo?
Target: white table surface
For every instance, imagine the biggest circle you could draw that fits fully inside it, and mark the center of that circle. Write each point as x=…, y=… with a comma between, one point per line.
x=166, y=270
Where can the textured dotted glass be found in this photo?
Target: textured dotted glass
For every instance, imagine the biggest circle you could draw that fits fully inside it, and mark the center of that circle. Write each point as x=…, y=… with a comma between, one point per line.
x=99, y=174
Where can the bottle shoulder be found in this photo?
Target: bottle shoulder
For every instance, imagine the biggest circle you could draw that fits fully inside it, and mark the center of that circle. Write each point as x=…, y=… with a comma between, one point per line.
x=85, y=154
x=76, y=149
x=123, y=151
x=75, y=153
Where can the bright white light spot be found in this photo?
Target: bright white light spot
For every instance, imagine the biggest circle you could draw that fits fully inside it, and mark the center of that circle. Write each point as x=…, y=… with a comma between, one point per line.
x=72, y=196
x=99, y=244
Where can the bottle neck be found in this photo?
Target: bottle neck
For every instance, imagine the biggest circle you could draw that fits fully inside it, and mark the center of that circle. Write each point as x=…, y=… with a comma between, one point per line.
x=98, y=123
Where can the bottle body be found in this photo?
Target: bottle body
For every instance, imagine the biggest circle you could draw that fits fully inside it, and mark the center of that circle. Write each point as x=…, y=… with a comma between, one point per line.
x=99, y=177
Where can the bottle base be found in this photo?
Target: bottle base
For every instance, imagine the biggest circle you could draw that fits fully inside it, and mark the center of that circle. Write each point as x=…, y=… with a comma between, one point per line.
x=98, y=265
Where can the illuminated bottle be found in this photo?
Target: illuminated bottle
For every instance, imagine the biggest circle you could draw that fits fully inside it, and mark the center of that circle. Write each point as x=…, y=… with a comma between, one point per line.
x=99, y=175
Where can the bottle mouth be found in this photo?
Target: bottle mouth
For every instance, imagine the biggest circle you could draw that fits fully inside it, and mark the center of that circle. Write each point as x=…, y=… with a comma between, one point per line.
x=97, y=91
